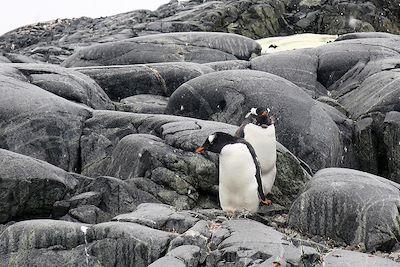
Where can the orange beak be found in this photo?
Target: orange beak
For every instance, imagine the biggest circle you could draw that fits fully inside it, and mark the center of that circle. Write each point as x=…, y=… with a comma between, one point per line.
x=264, y=114
x=200, y=149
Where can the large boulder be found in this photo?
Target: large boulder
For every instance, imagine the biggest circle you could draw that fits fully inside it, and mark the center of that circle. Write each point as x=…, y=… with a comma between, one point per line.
x=66, y=83
x=302, y=125
x=244, y=242
x=298, y=66
x=30, y=187
x=37, y=123
x=350, y=206
x=337, y=58
x=157, y=79
x=200, y=47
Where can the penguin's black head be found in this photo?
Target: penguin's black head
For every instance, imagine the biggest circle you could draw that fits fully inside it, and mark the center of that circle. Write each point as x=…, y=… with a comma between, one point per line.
x=216, y=141
x=261, y=116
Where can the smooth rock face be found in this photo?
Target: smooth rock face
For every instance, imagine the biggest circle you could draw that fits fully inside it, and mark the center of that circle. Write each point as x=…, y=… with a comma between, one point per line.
x=40, y=124
x=349, y=205
x=29, y=187
x=298, y=66
x=336, y=58
x=199, y=47
x=227, y=96
x=156, y=79
x=68, y=84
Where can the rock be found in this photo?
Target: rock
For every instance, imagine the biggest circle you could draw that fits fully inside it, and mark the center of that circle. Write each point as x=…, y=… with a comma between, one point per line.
x=347, y=16
x=298, y=66
x=65, y=83
x=156, y=79
x=88, y=214
x=199, y=47
x=291, y=177
x=349, y=205
x=127, y=244
x=241, y=242
x=63, y=243
x=337, y=58
x=42, y=242
x=186, y=255
x=30, y=187
x=253, y=19
x=118, y=197
x=226, y=96
x=4, y=59
x=40, y=124
x=391, y=141
x=229, y=65
x=159, y=216
x=359, y=35
x=339, y=257
x=198, y=237
x=149, y=104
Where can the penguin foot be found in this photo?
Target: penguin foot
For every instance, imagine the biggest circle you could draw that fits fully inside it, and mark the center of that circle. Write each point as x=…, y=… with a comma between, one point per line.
x=267, y=201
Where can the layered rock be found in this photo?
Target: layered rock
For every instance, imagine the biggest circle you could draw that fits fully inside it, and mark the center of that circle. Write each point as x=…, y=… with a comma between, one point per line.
x=350, y=206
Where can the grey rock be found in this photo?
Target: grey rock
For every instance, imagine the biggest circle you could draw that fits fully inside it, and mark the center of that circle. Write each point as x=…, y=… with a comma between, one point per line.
x=40, y=124
x=339, y=257
x=197, y=236
x=38, y=234
x=159, y=216
x=117, y=196
x=226, y=96
x=391, y=140
x=349, y=205
x=127, y=244
x=199, y=47
x=337, y=58
x=4, y=59
x=246, y=242
x=89, y=214
x=157, y=79
x=359, y=35
x=229, y=65
x=30, y=187
x=87, y=198
x=149, y=104
x=66, y=83
x=299, y=66
x=168, y=261
x=357, y=89
x=369, y=145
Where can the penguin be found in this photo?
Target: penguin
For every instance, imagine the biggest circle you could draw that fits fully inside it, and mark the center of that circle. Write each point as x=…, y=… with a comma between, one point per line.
x=259, y=130
x=240, y=185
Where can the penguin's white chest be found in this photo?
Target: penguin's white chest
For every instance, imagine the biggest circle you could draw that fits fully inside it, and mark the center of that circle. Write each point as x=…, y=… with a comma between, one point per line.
x=263, y=141
x=237, y=181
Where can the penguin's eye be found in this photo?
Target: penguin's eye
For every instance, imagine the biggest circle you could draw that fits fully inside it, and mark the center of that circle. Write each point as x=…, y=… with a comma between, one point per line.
x=211, y=138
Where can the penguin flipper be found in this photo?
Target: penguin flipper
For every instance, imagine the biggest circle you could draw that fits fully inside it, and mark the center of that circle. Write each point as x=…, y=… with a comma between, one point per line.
x=240, y=131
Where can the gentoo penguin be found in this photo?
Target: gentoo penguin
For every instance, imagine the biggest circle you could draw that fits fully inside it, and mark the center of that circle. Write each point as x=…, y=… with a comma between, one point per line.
x=239, y=172
x=258, y=129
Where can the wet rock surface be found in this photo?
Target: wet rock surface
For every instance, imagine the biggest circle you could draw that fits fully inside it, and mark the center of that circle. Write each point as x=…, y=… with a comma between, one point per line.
x=97, y=162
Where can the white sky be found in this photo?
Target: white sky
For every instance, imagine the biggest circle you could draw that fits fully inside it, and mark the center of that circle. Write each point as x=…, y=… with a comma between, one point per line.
x=17, y=13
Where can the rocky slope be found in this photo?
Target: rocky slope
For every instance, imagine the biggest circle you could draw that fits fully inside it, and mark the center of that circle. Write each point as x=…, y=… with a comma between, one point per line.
x=96, y=151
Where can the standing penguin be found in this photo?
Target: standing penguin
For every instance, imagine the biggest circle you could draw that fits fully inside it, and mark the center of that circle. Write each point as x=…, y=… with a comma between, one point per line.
x=239, y=172
x=258, y=129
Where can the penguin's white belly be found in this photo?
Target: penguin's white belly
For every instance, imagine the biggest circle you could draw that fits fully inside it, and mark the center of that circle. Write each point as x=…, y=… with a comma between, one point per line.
x=263, y=141
x=237, y=181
